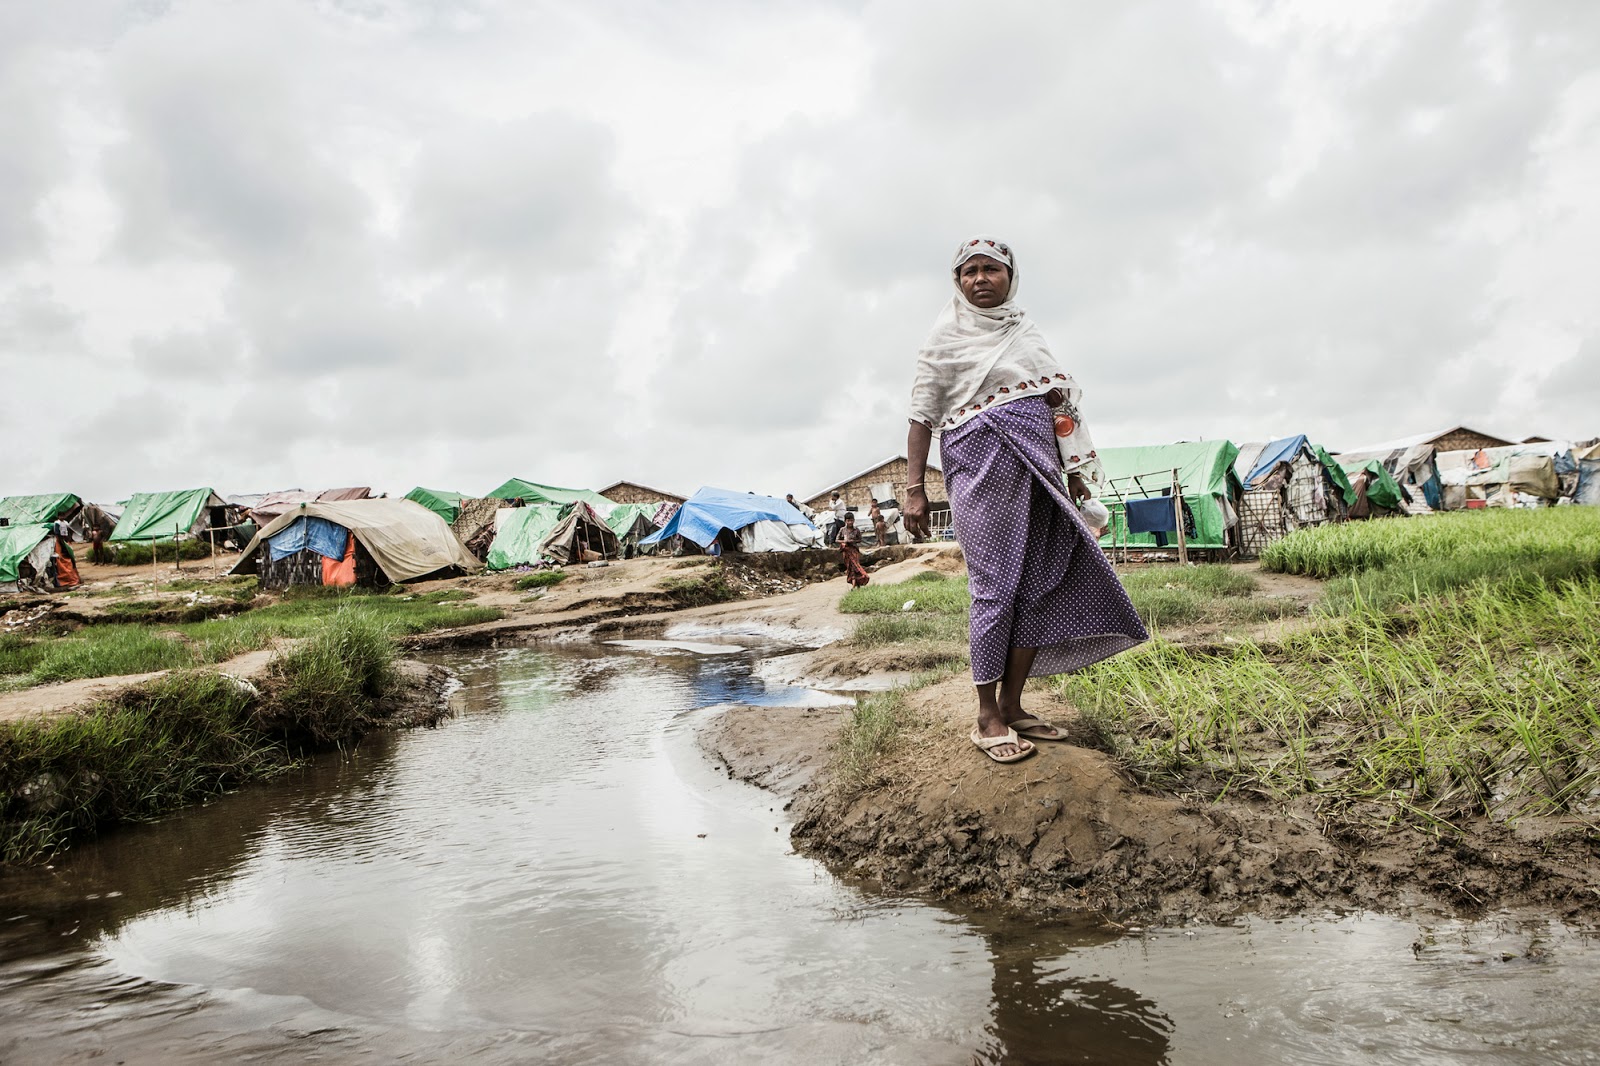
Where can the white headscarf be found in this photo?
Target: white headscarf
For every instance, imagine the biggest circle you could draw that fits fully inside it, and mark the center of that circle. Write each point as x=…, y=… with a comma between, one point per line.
x=976, y=358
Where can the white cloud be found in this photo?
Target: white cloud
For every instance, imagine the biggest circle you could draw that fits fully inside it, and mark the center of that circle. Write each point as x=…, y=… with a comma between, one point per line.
x=282, y=244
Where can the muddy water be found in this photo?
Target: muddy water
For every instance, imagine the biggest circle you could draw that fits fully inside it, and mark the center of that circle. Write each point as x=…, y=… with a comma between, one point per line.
x=558, y=875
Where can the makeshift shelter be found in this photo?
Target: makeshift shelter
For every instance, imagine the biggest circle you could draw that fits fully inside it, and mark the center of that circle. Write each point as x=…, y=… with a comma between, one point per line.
x=45, y=507
x=532, y=492
x=1521, y=475
x=1587, y=460
x=274, y=504
x=632, y=523
x=1205, y=472
x=518, y=534
x=442, y=502
x=1412, y=464
x=33, y=558
x=1285, y=487
x=579, y=532
x=1376, y=493
x=353, y=542
x=711, y=511
x=167, y=515
x=474, y=524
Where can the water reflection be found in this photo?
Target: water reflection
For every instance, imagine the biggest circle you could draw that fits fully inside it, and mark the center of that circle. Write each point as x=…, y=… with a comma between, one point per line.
x=1046, y=1011
x=558, y=874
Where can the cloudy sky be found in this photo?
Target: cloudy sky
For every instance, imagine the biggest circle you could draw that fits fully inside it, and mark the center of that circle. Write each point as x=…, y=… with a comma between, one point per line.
x=259, y=245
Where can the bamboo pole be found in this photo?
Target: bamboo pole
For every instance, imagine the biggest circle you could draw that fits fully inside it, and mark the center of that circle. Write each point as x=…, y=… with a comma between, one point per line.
x=1177, y=508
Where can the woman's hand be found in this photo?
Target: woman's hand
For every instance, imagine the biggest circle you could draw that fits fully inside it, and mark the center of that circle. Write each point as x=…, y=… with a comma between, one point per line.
x=915, y=513
x=1077, y=488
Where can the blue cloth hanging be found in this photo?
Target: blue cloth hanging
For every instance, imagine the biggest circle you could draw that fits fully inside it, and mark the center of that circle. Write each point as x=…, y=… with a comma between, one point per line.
x=326, y=538
x=1152, y=514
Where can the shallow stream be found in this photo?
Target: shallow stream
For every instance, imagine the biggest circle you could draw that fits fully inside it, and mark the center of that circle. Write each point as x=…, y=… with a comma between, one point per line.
x=559, y=875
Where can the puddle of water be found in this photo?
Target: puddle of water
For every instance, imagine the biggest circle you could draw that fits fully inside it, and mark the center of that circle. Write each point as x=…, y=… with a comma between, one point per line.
x=560, y=875
x=676, y=647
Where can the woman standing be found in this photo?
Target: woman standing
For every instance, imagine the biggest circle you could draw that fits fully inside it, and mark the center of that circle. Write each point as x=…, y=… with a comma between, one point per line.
x=1044, y=598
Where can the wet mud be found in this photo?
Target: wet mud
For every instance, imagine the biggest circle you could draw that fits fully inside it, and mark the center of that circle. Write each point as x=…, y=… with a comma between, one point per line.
x=1066, y=832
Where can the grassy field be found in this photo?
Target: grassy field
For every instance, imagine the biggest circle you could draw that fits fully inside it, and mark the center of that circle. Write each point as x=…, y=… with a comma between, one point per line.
x=187, y=735
x=132, y=648
x=1385, y=563
x=1455, y=673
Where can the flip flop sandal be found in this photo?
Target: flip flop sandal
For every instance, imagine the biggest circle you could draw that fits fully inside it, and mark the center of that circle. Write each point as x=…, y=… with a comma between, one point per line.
x=987, y=744
x=1037, y=729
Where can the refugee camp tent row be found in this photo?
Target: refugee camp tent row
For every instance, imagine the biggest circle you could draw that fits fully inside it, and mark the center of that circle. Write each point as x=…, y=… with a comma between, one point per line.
x=1137, y=487
x=82, y=518
x=737, y=521
x=34, y=559
x=1286, y=485
x=370, y=543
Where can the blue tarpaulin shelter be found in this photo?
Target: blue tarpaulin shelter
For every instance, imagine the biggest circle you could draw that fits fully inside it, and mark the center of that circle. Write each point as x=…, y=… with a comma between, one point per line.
x=709, y=511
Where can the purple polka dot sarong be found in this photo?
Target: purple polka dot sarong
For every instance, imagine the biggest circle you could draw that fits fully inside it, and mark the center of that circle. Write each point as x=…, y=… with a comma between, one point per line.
x=1037, y=576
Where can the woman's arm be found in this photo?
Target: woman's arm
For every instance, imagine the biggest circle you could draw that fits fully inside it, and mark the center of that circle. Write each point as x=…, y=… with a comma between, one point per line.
x=918, y=439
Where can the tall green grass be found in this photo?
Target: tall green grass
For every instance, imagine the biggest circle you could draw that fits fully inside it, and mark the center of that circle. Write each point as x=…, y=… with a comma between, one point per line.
x=187, y=735
x=1385, y=564
x=1483, y=703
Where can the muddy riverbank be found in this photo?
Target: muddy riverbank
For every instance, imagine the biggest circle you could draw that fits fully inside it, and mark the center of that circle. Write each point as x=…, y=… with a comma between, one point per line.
x=1068, y=833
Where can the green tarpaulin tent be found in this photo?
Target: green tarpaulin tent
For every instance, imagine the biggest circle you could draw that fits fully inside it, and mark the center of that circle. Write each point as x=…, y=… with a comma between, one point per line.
x=518, y=533
x=163, y=515
x=46, y=507
x=16, y=544
x=1205, y=470
x=516, y=488
x=1382, y=489
x=623, y=515
x=442, y=502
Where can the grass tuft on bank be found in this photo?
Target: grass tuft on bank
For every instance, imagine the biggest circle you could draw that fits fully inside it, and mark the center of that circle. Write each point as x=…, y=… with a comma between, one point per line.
x=127, y=648
x=187, y=735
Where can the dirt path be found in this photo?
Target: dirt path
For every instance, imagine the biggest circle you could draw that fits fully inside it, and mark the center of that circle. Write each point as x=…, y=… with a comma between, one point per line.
x=67, y=696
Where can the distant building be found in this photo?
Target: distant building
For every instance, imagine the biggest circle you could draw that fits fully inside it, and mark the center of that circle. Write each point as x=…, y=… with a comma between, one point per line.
x=887, y=481
x=1461, y=438
x=632, y=492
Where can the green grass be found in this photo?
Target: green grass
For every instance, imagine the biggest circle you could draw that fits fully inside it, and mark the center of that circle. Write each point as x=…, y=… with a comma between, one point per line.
x=541, y=579
x=187, y=735
x=18, y=655
x=104, y=651
x=1168, y=596
x=872, y=731
x=878, y=630
x=1487, y=702
x=1388, y=563
x=931, y=593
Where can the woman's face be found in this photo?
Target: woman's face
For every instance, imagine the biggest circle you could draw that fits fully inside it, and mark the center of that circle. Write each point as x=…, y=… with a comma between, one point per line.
x=984, y=281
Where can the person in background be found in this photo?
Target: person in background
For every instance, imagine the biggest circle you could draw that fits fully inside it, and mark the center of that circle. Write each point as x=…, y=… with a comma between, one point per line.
x=836, y=502
x=97, y=546
x=798, y=506
x=880, y=525
x=850, y=547
x=1044, y=598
